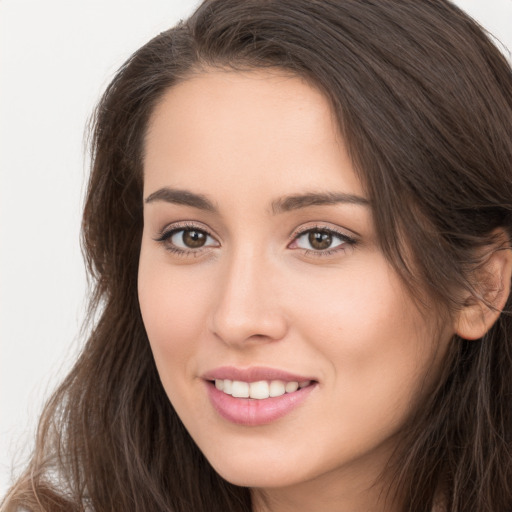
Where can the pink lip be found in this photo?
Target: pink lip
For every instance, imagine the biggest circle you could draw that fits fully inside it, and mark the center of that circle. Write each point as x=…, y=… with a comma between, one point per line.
x=253, y=374
x=250, y=412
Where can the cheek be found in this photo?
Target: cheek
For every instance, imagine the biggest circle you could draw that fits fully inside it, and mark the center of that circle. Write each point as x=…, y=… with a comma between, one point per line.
x=378, y=345
x=353, y=311
x=173, y=306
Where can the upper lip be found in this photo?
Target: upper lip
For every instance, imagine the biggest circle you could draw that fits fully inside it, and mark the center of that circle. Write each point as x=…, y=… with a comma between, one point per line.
x=253, y=374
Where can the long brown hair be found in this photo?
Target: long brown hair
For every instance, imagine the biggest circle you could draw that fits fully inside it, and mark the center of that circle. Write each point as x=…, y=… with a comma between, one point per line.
x=424, y=102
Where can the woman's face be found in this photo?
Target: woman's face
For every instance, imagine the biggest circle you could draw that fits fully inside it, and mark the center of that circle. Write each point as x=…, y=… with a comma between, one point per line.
x=260, y=272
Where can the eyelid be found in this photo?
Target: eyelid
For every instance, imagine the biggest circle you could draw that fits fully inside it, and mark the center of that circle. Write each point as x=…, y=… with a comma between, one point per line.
x=165, y=234
x=323, y=226
x=349, y=238
x=168, y=229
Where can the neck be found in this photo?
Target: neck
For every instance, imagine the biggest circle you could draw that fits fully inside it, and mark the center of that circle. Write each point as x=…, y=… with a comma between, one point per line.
x=341, y=490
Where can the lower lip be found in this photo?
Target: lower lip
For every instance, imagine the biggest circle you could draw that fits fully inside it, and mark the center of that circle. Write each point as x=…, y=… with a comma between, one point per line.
x=253, y=412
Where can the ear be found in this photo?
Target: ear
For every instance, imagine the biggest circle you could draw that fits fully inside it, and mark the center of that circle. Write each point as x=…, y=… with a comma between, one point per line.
x=492, y=281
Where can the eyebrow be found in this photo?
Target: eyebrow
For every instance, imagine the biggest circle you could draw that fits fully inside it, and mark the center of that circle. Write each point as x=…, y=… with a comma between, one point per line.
x=280, y=205
x=183, y=197
x=295, y=202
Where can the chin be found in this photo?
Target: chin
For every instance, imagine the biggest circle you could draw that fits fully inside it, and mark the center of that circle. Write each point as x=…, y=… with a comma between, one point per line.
x=258, y=471
x=254, y=478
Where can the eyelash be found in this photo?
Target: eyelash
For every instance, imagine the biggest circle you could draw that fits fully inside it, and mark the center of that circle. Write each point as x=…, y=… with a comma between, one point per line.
x=347, y=241
x=166, y=235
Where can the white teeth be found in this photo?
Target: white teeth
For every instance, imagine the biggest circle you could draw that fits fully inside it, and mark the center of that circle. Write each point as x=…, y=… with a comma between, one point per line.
x=240, y=389
x=258, y=390
x=277, y=388
x=291, y=387
x=228, y=386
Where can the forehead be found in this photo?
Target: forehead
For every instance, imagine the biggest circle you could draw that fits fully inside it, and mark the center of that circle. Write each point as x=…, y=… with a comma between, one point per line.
x=201, y=91
x=259, y=126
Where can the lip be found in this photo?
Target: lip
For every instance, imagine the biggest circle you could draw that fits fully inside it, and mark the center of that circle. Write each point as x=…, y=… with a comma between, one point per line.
x=251, y=412
x=254, y=374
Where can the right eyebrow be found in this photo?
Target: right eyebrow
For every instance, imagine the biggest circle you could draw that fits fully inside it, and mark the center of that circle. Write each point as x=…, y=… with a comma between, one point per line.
x=183, y=197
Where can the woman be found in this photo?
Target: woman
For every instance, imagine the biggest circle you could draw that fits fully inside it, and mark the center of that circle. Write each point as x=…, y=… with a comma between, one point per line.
x=298, y=221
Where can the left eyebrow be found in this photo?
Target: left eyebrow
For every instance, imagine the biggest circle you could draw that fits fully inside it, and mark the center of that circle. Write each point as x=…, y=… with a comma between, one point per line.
x=295, y=202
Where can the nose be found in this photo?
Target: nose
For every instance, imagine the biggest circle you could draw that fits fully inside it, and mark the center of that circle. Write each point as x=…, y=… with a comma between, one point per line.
x=248, y=309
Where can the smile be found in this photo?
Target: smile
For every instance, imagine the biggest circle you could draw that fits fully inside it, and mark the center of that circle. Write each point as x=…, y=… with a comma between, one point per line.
x=256, y=396
x=259, y=390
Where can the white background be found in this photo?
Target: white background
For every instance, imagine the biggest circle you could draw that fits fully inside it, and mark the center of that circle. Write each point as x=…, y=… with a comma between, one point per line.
x=56, y=57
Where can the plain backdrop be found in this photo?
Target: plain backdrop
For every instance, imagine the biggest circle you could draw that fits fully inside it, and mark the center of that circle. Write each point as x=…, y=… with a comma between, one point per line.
x=56, y=57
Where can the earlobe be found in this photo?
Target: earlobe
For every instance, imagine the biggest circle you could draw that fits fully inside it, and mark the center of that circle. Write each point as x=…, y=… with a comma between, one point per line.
x=493, y=284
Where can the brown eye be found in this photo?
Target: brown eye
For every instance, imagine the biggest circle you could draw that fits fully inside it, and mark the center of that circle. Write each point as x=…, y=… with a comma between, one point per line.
x=188, y=238
x=193, y=238
x=320, y=240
